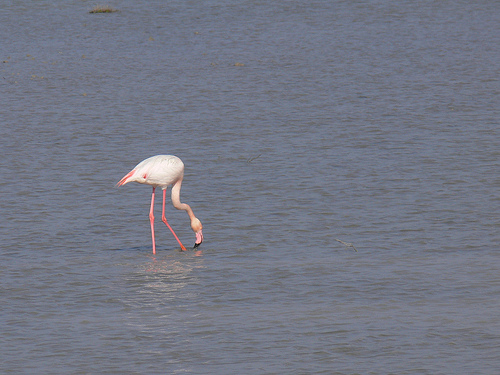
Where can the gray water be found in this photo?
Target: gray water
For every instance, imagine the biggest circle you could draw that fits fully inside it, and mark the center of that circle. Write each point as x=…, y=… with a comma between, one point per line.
x=375, y=123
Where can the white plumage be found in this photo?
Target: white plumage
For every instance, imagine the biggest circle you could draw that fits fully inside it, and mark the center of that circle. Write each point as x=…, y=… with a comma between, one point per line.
x=163, y=171
x=157, y=171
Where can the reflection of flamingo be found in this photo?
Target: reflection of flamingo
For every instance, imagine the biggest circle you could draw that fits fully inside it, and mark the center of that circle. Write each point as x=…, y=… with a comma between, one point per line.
x=162, y=171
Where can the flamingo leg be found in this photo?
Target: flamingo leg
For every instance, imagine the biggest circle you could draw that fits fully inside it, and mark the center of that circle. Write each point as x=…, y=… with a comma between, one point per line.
x=152, y=220
x=164, y=219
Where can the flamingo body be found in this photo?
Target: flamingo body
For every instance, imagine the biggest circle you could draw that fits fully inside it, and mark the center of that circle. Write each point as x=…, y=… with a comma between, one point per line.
x=163, y=171
x=157, y=171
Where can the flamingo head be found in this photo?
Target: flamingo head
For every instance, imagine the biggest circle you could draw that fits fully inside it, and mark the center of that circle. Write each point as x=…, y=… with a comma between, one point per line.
x=197, y=228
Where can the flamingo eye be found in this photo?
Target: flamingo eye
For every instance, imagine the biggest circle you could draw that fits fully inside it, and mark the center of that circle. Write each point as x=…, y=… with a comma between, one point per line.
x=145, y=175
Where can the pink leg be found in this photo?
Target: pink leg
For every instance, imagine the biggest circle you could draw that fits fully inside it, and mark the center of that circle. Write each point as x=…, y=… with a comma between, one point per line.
x=164, y=219
x=152, y=220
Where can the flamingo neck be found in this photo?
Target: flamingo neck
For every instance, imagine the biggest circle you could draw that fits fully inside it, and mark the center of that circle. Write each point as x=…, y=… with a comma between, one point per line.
x=176, y=200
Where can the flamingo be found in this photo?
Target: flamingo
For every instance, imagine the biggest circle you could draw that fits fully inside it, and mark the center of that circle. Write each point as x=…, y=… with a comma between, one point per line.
x=162, y=171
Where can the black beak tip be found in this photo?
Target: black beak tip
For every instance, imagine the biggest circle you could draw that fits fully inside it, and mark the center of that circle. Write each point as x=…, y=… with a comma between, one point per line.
x=196, y=245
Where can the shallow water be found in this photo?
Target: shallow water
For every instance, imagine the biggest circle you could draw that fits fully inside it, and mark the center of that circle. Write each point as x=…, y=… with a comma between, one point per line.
x=299, y=124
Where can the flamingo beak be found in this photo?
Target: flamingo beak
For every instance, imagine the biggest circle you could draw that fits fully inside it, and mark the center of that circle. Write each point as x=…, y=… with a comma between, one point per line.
x=199, y=239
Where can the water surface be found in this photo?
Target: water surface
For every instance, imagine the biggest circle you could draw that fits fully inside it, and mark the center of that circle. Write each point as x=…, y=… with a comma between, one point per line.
x=375, y=123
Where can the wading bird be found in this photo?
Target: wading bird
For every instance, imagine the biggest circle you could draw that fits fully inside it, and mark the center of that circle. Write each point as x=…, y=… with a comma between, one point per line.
x=162, y=171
